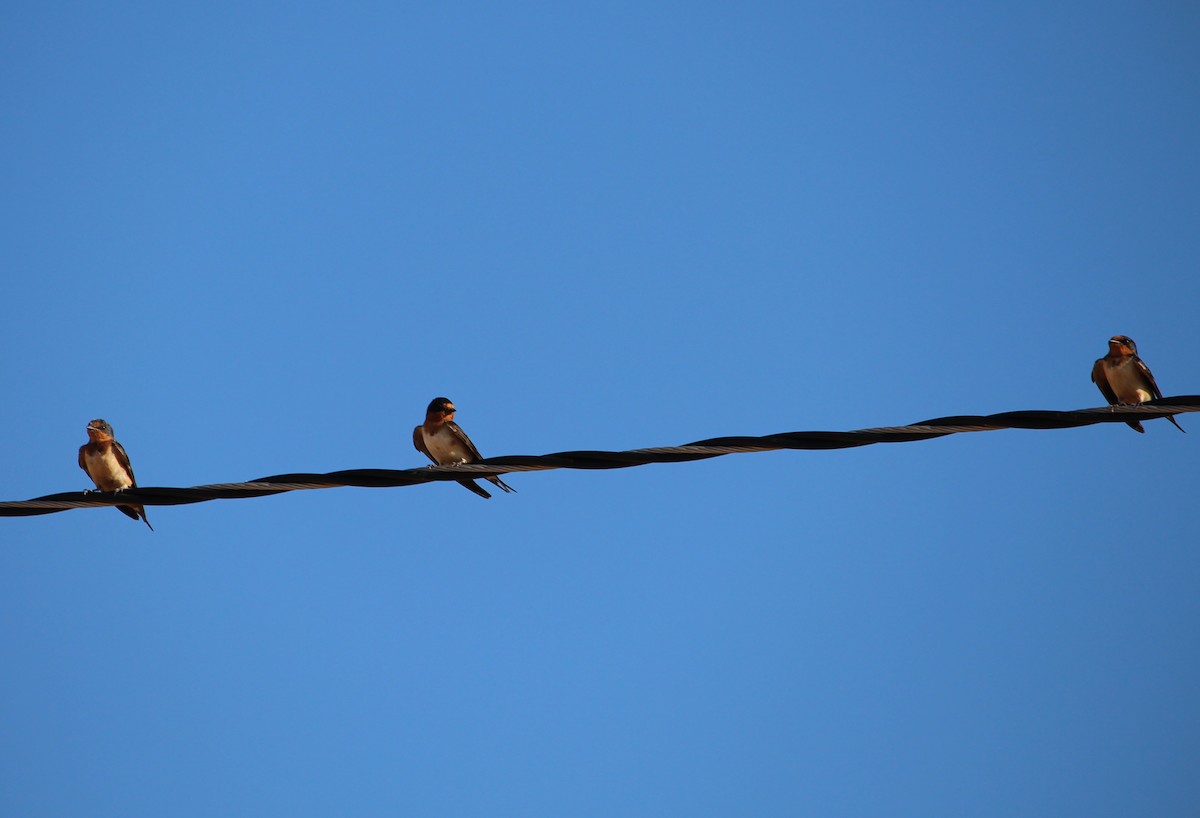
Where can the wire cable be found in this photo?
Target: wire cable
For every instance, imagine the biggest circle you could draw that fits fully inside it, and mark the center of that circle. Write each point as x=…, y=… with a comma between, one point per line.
x=700, y=450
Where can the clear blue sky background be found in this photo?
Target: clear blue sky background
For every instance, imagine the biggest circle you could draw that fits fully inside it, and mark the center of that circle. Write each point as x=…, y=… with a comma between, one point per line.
x=259, y=238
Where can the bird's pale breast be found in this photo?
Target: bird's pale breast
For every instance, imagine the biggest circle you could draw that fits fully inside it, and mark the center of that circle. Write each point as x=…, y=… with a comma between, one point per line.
x=105, y=470
x=1128, y=383
x=445, y=447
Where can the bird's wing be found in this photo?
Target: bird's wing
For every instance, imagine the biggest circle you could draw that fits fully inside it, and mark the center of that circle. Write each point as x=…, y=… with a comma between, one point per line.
x=1145, y=370
x=457, y=431
x=123, y=460
x=1101, y=380
x=419, y=443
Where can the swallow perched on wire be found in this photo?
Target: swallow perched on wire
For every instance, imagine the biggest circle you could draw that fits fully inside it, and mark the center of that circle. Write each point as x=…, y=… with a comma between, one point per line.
x=445, y=443
x=105, y=461
x=1125, y=379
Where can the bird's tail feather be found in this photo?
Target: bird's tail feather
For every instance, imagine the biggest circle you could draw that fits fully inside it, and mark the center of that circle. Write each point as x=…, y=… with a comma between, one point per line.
x=502, y=484
x=135, y=513
x=471, y=485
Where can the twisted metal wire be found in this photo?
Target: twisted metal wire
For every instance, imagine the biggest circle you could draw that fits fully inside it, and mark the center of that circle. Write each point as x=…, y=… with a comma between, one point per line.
x=700, y=450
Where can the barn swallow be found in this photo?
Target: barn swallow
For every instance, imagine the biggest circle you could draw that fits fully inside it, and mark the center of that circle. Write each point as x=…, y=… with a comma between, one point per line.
x=105, y=461
x=445, y=443
x=1125, y=379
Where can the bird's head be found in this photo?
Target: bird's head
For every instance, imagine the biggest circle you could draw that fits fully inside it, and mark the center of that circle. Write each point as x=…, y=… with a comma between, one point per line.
x=440, y=408
x=99, y=430
x=1122, y=345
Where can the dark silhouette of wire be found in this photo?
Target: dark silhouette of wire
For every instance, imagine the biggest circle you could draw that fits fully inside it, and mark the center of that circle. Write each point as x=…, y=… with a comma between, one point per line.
x=700, y=450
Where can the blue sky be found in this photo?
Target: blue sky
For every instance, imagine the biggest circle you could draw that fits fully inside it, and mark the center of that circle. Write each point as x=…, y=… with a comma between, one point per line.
x=259, y=238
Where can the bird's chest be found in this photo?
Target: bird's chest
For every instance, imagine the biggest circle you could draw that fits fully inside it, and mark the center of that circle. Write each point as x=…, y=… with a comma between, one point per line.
x=446, y=447
x=105, y=470
x=1128, y=383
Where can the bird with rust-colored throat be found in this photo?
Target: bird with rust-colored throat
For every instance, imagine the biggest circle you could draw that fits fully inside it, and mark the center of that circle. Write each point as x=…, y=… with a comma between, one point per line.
x=445, y=443
x=1125, y=380
x=105, y=461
